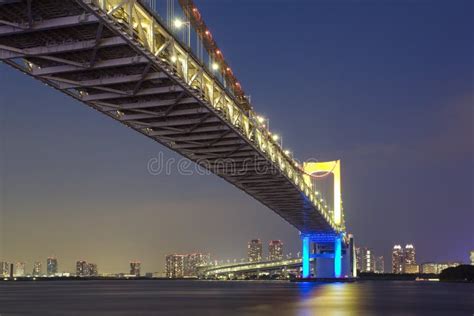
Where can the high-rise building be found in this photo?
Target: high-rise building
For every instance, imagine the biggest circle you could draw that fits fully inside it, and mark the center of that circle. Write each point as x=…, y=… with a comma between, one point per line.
x=352, y=256
x=437, y=268
x=92, y=269
x=275, y=250
x=193, y=261
x=472, y=257
x=255, y=250
x=409, y=257
x=186, y=265
x=52, y=266
x=358, y=252
x=397, y=259
x=175, y=266
x=445, y=265
x=82, y=268
x=411, y=268
x=20, y=269
x=4, y=269
x=429, y=268
x=135, y=268
x=37, y=268
x=379, y=264
x=368, y=260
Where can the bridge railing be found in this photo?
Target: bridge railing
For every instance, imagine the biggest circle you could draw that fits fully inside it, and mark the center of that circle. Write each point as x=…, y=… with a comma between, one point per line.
x=142, y=26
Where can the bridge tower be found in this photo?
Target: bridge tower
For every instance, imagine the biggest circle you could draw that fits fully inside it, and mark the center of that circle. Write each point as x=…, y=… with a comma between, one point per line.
x=326, y=247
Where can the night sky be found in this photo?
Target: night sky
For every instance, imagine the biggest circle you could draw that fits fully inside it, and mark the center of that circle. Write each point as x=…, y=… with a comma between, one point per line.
x=385, y=86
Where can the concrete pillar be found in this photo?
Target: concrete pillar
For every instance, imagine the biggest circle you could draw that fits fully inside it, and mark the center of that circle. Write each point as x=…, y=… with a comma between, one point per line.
x=337, y=257
x=305, y=256
x=315, y=260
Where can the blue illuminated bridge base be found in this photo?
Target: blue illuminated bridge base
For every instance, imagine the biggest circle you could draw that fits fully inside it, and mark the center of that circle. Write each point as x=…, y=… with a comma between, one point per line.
x=330, y=254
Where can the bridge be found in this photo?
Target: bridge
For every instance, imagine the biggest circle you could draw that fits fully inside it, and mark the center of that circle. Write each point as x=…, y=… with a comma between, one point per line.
x=212, y=271
x=125, y=60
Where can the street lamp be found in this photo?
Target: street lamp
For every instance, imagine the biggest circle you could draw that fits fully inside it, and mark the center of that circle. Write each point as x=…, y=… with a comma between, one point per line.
x=277, y=137
x=264, y=121
x=178, y=24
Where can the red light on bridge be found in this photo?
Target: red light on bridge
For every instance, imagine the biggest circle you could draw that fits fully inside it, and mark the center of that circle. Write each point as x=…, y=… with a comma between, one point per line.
x=196, y=13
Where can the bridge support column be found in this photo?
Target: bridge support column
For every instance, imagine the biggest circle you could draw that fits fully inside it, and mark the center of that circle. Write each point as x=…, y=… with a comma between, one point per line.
x=330, y=256
x=305, y=256
x=337, y=256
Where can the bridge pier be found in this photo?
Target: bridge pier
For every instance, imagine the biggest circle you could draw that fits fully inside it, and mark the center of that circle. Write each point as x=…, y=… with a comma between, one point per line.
x=327, y=255
x=337, y=256
x=305, y=256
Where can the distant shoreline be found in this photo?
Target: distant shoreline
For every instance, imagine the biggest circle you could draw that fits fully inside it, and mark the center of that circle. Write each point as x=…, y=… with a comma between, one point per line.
x=385, y=277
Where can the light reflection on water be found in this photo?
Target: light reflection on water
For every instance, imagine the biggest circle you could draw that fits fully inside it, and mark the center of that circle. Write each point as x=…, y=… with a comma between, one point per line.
x=335, y=299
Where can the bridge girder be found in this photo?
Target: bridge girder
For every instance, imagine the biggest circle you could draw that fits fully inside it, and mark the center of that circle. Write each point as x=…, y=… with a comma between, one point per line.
x=141, y=76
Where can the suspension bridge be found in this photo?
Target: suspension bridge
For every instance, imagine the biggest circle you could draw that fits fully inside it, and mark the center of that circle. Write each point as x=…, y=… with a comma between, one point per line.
x=126, y=60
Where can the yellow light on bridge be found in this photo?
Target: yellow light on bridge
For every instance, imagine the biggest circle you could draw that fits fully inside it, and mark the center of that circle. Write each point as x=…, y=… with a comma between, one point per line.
x=275, y=137
x=333, y=167
x=215, y=66
x=178, y=23
x=174, y=59
x=287, y=152
x=260, y=119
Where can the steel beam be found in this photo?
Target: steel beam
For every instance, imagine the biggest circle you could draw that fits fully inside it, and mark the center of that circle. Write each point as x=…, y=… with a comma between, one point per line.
x=133, y=117
x=62, y=22
x=177, y=122
x=204, y=145
x=60, y=48
x=149, y=91
x=151, y=104
x=110, y=63
x=106, y=81
x=197, y=130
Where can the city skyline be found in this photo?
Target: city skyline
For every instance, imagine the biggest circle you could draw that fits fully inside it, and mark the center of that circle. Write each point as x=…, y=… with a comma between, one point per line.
x=403, y=260
x=64, y=176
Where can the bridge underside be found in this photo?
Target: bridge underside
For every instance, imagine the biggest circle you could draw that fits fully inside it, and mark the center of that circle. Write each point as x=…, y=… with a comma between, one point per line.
x=79, y=50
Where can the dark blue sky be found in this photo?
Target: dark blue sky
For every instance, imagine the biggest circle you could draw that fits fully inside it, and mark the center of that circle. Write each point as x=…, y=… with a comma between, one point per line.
x=386, y=86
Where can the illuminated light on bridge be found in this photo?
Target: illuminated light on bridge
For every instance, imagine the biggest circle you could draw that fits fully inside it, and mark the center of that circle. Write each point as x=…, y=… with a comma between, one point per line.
x=118, y=57
x=178, y=23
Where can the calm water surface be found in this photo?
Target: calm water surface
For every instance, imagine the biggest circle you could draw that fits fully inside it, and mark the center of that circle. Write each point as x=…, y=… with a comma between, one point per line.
x=234, y=298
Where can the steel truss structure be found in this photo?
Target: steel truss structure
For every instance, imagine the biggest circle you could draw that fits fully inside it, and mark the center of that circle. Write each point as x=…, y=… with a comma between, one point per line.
x=117, y=57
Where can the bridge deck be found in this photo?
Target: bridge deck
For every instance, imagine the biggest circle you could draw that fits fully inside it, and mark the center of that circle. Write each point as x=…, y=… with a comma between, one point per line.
x=87, y=50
